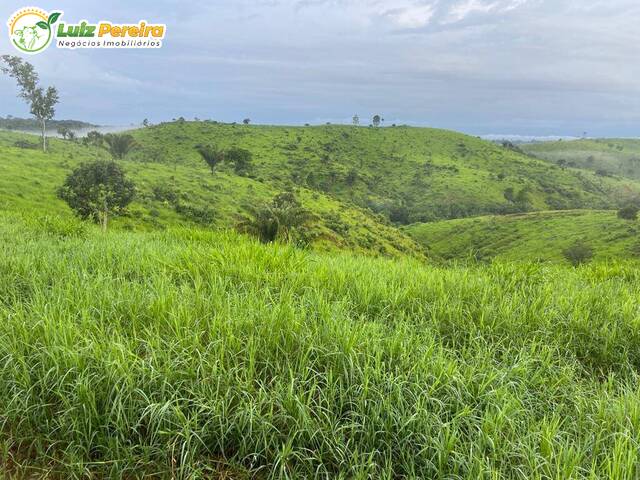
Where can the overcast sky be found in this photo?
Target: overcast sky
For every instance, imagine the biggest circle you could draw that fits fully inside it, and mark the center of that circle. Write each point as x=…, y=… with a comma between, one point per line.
x=529, y=67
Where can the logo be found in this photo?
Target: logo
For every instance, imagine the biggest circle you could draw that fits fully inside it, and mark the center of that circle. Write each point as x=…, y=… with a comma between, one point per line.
x=32, y=30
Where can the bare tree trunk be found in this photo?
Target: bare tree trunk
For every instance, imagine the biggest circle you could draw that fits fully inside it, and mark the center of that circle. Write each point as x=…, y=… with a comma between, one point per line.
x=105, y=217
x=44, y=135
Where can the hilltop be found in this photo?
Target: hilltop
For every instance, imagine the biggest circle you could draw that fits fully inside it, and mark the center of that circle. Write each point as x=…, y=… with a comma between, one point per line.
x=530, y=237
x=620, y=157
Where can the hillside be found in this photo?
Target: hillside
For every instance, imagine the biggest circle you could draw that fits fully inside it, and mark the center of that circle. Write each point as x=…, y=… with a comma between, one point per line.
x=198, y=354
x=183, y=194
x=530, y=237
x=607, y=156
x=407, y=174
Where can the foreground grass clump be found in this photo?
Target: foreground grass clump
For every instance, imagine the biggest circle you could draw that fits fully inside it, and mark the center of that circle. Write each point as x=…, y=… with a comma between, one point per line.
x=191, y=354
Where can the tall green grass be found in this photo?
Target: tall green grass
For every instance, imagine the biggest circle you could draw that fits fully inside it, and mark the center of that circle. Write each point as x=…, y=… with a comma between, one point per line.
x=193, y=354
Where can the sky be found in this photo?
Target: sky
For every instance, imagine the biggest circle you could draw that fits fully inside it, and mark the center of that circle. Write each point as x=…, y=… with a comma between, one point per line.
x=518, y=67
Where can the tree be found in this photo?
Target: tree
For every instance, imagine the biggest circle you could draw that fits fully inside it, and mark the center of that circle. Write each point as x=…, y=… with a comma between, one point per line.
x=145, y=122
x=119, y=145
x=211, y=155
x=283, y=219
x=376, y=121
x=356, y=120
x=241, y=160
x=41, y=102
x=63, y=132
x=96, y=191
x=94, y=138
x=578, y=253
x=630, y=212
x=246, y=121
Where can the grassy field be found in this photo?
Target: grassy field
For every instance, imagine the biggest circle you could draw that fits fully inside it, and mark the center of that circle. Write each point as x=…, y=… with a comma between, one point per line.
x=611, y=156
x=197, y=354
x=173, y=347
x=530, y=237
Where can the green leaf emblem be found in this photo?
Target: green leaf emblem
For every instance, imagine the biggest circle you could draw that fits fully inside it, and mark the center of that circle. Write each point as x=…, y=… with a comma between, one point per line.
x=43, y=25
x=53, y=18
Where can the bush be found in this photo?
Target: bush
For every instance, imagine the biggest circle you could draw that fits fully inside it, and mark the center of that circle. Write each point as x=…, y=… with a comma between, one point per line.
x=26, y=144
x=578, y=253
x=630, y=212
x=97, y=191
x=284, y=219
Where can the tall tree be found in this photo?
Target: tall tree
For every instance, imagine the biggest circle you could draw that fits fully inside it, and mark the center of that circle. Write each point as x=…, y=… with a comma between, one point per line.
x=376, y=120
x=41, y=102
x=356, y=120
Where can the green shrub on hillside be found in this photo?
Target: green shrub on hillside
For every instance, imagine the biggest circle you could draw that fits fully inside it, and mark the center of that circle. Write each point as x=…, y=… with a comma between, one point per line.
x=284, y=219
x=630, y=212
x=97, y=191
x=578, y=253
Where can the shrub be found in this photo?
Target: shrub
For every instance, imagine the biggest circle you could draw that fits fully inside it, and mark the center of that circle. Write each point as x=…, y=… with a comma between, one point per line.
x=283, y=219
x=26, y=144
x=630, y=212
x=578, y=253
x=241, y=160
x=97, y=191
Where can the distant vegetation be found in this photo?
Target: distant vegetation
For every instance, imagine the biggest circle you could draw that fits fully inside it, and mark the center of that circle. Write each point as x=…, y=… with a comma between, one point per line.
x=620, y=157
x=31, y=125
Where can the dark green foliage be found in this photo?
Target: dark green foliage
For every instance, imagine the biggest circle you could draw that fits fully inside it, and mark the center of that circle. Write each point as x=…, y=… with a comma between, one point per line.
x=241, y=160
x=284, y=219
x=578, y=253
x=26, y=144
x=97, y=190
x=630, y=212
x=509, y=194
x=119, y=145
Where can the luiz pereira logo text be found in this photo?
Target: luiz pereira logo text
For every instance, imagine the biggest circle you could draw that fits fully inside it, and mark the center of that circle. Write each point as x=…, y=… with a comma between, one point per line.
x=32, y=30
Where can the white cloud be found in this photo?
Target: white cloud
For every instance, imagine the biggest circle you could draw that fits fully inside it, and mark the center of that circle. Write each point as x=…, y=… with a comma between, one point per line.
x=412, y=17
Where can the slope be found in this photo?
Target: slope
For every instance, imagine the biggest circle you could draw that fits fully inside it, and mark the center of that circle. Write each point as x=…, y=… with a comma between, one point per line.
x=529, y=237
x=408, y=174
x=182, y=194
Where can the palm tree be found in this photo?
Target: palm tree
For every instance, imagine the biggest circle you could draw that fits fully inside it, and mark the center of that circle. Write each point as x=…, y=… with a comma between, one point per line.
x=119, y=145
x=211, y=155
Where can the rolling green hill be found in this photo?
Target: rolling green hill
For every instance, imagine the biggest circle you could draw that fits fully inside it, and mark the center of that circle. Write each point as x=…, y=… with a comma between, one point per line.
x=358, y=182
x=607, y=156
x=530, y=237
x=409, y=174
x=184, y=194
